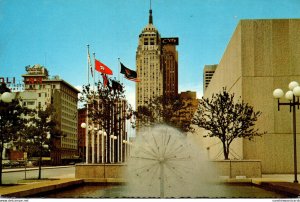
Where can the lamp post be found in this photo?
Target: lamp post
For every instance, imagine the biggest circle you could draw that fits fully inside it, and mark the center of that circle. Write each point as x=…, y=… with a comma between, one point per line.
x=103, y=146
x=125, y=150
x=291, y=96
x=84, y=125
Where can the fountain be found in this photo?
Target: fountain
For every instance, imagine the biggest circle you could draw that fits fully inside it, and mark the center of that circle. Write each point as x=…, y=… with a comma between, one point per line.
x=165, y=163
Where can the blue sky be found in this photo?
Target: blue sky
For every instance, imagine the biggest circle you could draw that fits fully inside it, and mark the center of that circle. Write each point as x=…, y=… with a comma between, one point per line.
x=55, y=33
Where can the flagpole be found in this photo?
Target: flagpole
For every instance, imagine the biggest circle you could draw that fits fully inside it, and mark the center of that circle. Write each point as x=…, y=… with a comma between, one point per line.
x=119, y=69
x=88, y=65
x=87, y=113
x=94, y=54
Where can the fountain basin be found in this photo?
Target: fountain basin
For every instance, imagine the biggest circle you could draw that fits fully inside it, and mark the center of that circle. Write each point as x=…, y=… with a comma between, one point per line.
x=100, y=171
x=238, y=168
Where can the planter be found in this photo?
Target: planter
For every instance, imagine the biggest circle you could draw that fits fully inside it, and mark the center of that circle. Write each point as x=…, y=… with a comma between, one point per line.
x=238, y=168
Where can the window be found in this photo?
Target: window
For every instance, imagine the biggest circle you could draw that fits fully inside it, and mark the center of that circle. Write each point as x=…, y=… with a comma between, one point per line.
x=146, y=41
x=30, y=103
x=151, y=41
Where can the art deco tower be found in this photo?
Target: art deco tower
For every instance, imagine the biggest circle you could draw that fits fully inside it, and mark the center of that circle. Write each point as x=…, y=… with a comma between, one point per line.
x=148, y=65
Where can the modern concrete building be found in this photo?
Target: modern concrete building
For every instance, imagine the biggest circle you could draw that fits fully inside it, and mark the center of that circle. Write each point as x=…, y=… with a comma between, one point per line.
x=208, y=72
x=41, y=91
x=261, y=56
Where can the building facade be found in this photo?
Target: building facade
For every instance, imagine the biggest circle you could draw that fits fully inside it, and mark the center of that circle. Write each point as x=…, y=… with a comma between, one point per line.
x=170, y=66
x=81, y=133
x=261, y=56
x=186, y=114
x=39, y=92
x=157, y=66
x=148, y=65
x=208, y=72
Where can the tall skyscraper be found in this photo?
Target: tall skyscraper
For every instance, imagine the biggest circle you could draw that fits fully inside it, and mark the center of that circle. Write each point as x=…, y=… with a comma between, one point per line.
x=157, y=65
x=170, y=66
x=148, y=64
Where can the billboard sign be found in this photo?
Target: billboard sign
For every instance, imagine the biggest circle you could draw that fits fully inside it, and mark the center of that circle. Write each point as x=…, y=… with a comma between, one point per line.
x=170, y=41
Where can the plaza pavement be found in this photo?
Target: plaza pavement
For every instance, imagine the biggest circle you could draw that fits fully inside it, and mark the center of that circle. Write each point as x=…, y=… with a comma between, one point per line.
x=277, y=182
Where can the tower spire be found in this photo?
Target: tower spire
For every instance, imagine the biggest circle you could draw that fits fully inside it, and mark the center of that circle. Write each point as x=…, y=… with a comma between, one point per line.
x=150, y=15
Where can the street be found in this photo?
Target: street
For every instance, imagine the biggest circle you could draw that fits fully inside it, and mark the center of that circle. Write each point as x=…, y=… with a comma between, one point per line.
x=47, y=172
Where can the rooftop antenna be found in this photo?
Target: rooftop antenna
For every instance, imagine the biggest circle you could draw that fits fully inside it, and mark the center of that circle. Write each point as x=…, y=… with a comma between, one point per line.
x=150, y=15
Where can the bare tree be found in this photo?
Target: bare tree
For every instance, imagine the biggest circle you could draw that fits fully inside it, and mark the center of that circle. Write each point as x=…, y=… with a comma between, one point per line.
x=164, y=110
x=226, y=119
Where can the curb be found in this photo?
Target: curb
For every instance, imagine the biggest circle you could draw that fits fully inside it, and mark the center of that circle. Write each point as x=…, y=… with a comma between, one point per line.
x=34, y=168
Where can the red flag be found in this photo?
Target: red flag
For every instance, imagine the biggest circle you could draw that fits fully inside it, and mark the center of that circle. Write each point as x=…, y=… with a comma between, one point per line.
x=105, y=80
x=100, y=67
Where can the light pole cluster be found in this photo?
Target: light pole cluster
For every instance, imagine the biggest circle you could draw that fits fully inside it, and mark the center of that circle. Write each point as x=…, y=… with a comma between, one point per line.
x=291, y=95
x=103, y=147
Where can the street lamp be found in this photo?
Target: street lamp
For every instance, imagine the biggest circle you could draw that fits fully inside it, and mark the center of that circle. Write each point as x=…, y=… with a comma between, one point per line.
x=84, y=125
x=6, y=97
x=291, y=96
x=103, y=133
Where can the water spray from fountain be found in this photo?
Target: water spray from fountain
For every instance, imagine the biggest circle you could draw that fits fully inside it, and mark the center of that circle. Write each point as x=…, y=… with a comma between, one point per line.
x=165, y=163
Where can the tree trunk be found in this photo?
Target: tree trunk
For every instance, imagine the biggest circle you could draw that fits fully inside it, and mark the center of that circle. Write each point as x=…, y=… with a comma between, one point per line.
x=225, y=151
x=40, y=163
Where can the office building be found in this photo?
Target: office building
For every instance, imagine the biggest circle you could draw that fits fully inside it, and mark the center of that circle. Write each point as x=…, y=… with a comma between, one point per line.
x=42, y=90
x=261, y=56
x=208, y=72
x=157, y=65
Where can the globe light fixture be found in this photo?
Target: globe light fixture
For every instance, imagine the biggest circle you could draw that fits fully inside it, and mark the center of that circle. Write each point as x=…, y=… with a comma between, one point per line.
x=296, y=91
x=291, y=95
x=293, y=84
x=83, y=125
x=7, y=97
x=278, y=93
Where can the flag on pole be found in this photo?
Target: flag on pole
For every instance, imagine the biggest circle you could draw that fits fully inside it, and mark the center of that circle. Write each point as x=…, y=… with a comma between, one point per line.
x=116, y=86
x=90, y=64
x=105, y=80
x=129, y=74
x=100, y=67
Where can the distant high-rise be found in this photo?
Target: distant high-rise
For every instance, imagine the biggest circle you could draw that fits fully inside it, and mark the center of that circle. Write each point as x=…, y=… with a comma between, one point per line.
x=170, y=66
x=208, y=73
x=157, y=65
x=148, y=64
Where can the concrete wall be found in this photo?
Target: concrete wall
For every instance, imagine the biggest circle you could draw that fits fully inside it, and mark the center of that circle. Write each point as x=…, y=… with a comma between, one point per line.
x=263, y=55
x=236, y=168
x=85, y=171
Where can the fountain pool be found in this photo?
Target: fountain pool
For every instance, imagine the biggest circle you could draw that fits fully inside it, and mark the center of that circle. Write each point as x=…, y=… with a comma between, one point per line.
x=164, y=163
